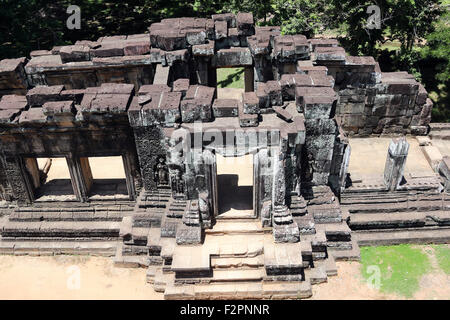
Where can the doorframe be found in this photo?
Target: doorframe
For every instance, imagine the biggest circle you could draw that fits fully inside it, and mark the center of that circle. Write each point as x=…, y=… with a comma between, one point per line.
x=255, y=186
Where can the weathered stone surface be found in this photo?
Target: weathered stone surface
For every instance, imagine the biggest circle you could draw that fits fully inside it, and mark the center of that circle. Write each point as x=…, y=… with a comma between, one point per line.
x=39, y=95
x=247, y=119
x=12, y=74
x=250, y=103
x=233, y=57
x=197, y=103
x=225, y=108
x=329, y=54
x=181, y=85
x=245, y=24
x=74, y=53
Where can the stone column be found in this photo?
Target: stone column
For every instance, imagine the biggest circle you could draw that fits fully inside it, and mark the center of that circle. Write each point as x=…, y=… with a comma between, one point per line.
x=395, y=163
x=18, y=186
x=249, y=78
x=444, y=171
x=80, y=176
x=127, y=160
x=285, y=229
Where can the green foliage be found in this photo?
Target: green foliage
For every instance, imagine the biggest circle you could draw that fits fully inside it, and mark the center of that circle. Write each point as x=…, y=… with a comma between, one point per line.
x=230, y=78
x=401, y=267
x=307, y=17
x=438, y=47
x=351, y=17
x=406, y=21
x=41, y=24
x=442, y=253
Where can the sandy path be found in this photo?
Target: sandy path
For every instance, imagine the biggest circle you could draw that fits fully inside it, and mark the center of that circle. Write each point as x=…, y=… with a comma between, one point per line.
x=56, y=278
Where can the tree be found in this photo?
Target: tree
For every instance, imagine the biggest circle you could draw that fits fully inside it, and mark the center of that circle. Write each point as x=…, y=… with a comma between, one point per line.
x=406, y=21
x=307, y=17
x=41, y=24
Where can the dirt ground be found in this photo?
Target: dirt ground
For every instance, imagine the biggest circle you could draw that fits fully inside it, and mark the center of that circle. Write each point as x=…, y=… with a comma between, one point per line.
x=48, y=278
x=350, y=285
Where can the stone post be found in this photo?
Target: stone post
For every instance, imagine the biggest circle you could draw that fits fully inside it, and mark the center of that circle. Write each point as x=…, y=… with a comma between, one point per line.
x=249, y=78
x=80, y=176
x=444, y=171
x=285, y=229
x=395, y=163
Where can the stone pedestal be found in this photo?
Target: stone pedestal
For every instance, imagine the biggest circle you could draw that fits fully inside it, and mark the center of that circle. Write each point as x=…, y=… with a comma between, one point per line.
x=395, y=163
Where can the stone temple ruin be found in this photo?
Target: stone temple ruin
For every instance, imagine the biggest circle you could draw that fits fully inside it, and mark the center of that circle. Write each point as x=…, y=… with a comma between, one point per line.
x=151, y=99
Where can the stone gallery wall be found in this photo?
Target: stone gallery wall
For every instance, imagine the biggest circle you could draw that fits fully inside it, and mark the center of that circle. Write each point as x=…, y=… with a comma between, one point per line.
x=53, y=122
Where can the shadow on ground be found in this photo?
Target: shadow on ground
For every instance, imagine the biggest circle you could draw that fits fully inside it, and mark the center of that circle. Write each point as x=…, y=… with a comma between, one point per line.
x=232, y=196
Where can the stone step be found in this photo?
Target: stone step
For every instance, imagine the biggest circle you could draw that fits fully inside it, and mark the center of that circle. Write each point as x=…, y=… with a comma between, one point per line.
x=363, y=221
x=388, y=198
x=62, y=229
x=287, y=290
x=237, y=216
x=162, y=280
x=346, y=255
x=335, y=231
x=279, y=257
x=69, y=214
x=245, y=290
x=397, y=207
x=399, y=220
x=237, y=246
x=139, y=235
x=317, y=274
x=329, y=265
x=238, y=275
x=191, y=260
x=241, y=263
x=129, y=261
x=393, y=237
x=224, y=227
x=3, y=220
x=148, y=218
x=440, y=135
x=46, y=247
x=439, y=126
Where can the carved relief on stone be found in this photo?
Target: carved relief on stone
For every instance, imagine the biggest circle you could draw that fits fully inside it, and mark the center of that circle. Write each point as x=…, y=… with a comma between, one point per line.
x=177, y=183
x=161, y=172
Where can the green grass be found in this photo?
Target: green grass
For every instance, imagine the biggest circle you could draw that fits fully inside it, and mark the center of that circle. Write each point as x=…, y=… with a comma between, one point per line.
x=442, y=253
x=401, y=267
x=230, y=78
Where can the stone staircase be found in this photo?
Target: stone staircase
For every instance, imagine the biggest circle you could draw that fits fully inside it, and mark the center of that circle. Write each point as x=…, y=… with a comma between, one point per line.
x=47, y=229
x=440, y=131
x=238, y=257
x=378, y=217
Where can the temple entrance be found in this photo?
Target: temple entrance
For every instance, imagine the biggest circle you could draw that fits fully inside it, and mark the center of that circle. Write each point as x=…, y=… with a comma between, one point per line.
x=235, y=186
x=233, y=81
